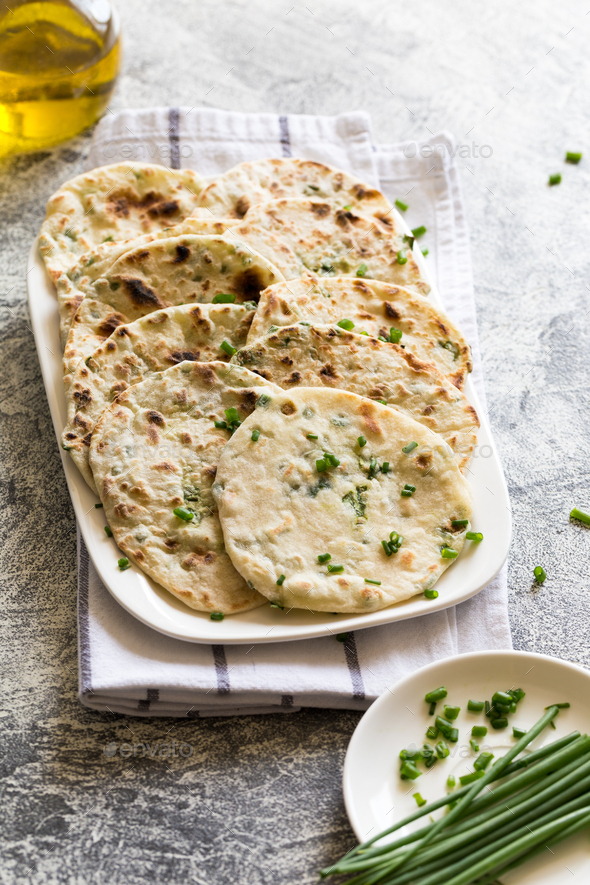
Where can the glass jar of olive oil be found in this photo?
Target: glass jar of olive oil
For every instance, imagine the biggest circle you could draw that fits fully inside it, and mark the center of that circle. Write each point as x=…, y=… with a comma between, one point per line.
x=59, y=60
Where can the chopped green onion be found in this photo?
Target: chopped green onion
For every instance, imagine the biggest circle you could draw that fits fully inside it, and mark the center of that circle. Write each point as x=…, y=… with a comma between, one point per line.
x=540, y=574
x=409, y=488
x=402, y=257
x=451, y=782
x=470, y=778
x=395, y=335
x=482, y=761
x=362, y=269
x=475, y=706
x=518, y=732
x=572, y=157
x=555, y=179
x=217, y=616
x=443, y=725
x=501, y=722
x=385, y=467
x=501, y=697
x=431, y=594
x=255, y=435
x=425, y=252
x=418, y=231
x=98, y=506
x=324, y=557
x=432, y=708
x=223, y=298
x=183, y=513
x=406, y=493
x=448, y=553
x=459, y=523
x=565, y=706
x=281, y=580
x=361, y=441
x=346, y=324
x=369, y=581
x=342, y=637
x=331, y=459
x=312, y=436
x=452, y=712
x=442, y=750
x=123, y=563
x=321, y=465
x=228, y=348
x=232, y=416
x=479, y=731
x=409, y=771
x=432, y=732
x=336, y=569
x=401, y=206
x=221, y=425
x=276, y=605
x=108, y=531
x=579, y=514
x=474, y=746
x=474, y=536
x=453, y=735
x=517, y=693
x=419, y=800
x=409, y=448
x=439, y=694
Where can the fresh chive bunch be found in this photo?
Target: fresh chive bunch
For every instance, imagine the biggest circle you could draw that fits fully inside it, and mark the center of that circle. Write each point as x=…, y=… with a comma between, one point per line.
x=543, y=798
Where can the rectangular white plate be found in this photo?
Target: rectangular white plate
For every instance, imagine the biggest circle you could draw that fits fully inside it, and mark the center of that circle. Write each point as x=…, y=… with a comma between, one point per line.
x=157, y=608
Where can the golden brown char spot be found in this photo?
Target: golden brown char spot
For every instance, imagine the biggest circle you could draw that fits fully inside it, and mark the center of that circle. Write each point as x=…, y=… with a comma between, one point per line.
x=294, y=378
x=473, y=414
x=444, y=329
x=428, y=410
x=406, y=557
x=288, y=408
x=152, y=434
x=138, y=555
x=249, y=284
x=242, y=206
x=81, y=421
x=186, y=438
x=195, y=559
x=110, y=345
x=135, y=257
x=344, y=217
x=205, y=373
x=140, y=294
x=83, y=397
x=391, y=311
x=320, y=210
x=368, y=414
x=182, y=253
x=178, y=356
x=287, y=361
x=210, y=471
x=458, y=379
x=155, y=417
x=107, y=326
x=124, y=510
x=424, y=460
x=165, y=465
x=329, y=372
x=171, y=543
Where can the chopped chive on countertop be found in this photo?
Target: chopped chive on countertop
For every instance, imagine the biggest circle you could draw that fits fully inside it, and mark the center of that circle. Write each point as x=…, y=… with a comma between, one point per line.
x=255, y=435
x=403, y=207
x=362, y=269
x=409, y=448
x=346, y=324
x=418, y=231
x=223, y=298
x=554, y=179
x=108, y=531
x=183, y=513
x=123, y=563
x=579, y=514
x=572, y=157
x=217, y=616
x=540, y=574
x=402, y=257
x=324, y=557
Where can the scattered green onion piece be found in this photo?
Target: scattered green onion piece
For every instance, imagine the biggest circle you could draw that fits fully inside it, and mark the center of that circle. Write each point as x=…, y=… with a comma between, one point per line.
x=123, y=563
x=361, y=441
x=459, y=523
x=324, y=557
x=312, y=436
x=321, y=465
x=432, y=732
x=448, y=553
x=470, y=778
x=108, y=531
x=418, y=231
x=402, y=257
x=425, y=252
x=369, y=581
x=579, y=514
x=442, y=750
x=453, y=735
x=474, y=746
x=276, y=605
x=409, y=488
x=443, y=725
x=439, y=694
x=482, y=761
x=406, y=493
x=395, y=335
x=487, y=707
x=409, y=771
x=362, y=269
x=474, y=536
x=217, y=616
x=409, y=448
x=98, y=506
x=403, y=207
x=255, y=435
x=501, y=722
x=518, y=732
x=228, y=348
x=572, y=157
x=183, y=513
x=281, y=580
x=389, y=550
x=452, y=712
x=347, y=208
x=232, y=416
x=222, y=425
x=501, y=697
x=346, y=324
x=479, y=731
x=475, y=706
x=517, y=693
x=451, y=782
x=342, y=637
x=431, y=594
x=385, y=467
x=336, y=569
x=419, y=800
x=223, y=298
x=555, y=179
x=565, y=706
x=540, y=574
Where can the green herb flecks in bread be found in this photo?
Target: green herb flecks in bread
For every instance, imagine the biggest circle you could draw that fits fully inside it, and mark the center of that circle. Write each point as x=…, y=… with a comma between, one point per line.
x=328, y=356
x=287, y=502
x=381, y=310
x=155, y=450
x=135, y=351
x=113, y=203
x=310, y=238
x=248, y=184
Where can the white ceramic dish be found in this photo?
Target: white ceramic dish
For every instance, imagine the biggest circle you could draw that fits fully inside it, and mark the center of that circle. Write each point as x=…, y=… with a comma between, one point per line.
x=153, y=605
x=374, y=795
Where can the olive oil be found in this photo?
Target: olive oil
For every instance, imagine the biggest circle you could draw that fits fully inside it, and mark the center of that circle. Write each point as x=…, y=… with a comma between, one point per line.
x=58, y=66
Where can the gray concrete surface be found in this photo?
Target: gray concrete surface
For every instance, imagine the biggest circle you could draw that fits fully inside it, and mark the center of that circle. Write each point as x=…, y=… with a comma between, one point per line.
x=259, y=799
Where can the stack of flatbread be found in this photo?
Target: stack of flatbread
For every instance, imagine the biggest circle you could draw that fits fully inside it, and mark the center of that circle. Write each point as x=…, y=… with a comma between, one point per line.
x=258, y=387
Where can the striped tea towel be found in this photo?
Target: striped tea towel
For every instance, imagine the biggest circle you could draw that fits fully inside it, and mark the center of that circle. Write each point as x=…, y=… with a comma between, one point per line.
x=126, y=667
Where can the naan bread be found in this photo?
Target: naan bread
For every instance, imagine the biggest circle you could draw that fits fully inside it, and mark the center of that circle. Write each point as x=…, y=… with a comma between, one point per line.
x=113, y=203
x=312, y=239
x=248, y=184
x=156, y=449
x=167, y=272
x=72, y=285
x=373, y=307
x=137, y=350
x=328, y=356
x=278, y=512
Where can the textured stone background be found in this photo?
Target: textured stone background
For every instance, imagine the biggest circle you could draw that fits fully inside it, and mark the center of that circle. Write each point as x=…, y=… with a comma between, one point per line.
x=259, y=800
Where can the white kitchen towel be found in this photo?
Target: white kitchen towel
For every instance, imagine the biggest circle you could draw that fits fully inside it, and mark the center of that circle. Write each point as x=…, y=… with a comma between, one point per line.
x=125, y=667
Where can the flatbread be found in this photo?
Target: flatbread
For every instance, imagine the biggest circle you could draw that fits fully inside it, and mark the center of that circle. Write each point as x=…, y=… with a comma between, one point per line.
x=346, y=510
x=177, y=270
x=248, y=184
x=113, y=202
x=156, y=449
x=72, y=285
x=313, y=239
x=137, y=350
x=374, y=307
x=328, y=356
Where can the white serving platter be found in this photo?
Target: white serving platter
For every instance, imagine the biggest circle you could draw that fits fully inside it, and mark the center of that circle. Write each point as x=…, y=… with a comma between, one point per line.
x=375, y=796
x=154, y=606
